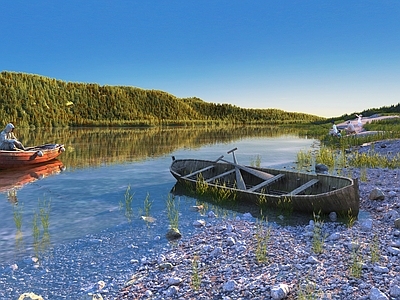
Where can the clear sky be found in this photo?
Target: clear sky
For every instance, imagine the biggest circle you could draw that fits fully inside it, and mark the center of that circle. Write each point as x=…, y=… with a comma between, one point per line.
x=320, y=57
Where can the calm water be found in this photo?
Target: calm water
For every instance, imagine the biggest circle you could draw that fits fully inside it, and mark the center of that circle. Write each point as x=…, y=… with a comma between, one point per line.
x=88, y=196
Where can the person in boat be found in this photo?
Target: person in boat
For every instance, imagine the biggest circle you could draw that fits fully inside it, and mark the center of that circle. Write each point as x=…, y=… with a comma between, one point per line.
x=350, y=128
x=8, y=141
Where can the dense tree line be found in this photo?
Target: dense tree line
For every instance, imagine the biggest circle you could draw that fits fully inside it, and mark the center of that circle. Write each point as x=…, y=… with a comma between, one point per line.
x=36, y=101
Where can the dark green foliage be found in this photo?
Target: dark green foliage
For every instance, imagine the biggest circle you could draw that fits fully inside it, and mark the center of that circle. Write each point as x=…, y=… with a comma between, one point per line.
x=36, y=101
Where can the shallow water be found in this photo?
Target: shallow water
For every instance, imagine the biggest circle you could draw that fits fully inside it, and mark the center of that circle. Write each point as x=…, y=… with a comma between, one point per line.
x=88, y=219
x=90, y=199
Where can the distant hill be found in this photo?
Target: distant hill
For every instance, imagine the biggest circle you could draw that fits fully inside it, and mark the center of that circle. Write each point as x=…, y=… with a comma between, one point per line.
x=33, y=100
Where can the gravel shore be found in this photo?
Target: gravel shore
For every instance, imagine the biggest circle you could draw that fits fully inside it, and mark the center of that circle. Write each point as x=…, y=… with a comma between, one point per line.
x=220, y=261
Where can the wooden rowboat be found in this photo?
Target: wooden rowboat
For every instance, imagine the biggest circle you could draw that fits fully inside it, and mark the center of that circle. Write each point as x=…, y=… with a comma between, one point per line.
x=304, y=192
x=31, y=156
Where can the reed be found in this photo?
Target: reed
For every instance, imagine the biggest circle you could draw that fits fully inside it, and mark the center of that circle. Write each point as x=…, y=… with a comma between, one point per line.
x=285, y=205
x=356, y=263
x=201, y=185
x=318, y=237
x=256, y=161
x=196, y=276
x=262, y=235
x=44, y=213
x=127, y=204
x=17, y=216
x=374, y=249
x=351, y=218
x=173, y=211
x=147, y=204
x=307, y=291
x=36, y=232
x=304, y=158
x=326, y=156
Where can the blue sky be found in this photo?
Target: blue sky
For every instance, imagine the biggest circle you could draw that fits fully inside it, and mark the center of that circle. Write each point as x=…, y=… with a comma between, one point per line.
x=320, y=57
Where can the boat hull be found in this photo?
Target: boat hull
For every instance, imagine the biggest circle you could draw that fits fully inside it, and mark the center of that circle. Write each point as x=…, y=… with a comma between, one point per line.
x=31, y=156
x=297, y=191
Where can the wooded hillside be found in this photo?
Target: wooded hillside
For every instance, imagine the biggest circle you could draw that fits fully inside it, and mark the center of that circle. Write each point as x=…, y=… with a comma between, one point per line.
x=36, y=101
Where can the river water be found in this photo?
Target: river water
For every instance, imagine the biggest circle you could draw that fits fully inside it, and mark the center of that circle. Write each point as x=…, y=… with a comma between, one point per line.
x=87, y=191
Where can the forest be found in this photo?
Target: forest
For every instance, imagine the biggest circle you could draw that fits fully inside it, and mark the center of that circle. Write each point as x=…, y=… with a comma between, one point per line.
x=30, y=100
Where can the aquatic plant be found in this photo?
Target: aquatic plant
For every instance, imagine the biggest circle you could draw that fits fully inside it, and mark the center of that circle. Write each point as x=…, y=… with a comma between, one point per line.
x=318, y=237
x=173, y=211
x=262, y=236
x=356, y=263
x=304, y=158
x=201, y=185
x=147, y=204
x=285, y=205
x=17, y=216
x=256, y=161
x=196, y=276
x=127, y=204
x=374, y=249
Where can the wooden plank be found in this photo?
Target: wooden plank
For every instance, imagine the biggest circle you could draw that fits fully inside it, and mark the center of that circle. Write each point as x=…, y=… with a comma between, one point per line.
x=220, y=175
x=265, y=183
x=198, y=171
x=304, y=187
x=241, y=185
x=258, y=173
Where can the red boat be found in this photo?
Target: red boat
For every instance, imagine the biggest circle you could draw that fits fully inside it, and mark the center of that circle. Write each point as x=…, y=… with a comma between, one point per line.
x=30, y=156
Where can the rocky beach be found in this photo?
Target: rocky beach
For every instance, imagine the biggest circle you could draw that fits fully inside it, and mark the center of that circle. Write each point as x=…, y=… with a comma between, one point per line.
x=324, y=259
x=236, y=257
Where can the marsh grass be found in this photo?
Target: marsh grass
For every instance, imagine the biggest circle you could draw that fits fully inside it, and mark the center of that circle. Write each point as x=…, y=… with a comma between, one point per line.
x=285, y=205
x=173, y=211
x=304, y=158
x=36, y=232
x=201, y=185
x=40, y=226
x=318, y=237
x=256, y=161
x=147, y=205
x=17, y=216
x=196, y=276
x=374, y=249
x=356, y=263
x=351, y=218
x=127, y=204
x=262, y=235
x=371, y=159
x=307, y=291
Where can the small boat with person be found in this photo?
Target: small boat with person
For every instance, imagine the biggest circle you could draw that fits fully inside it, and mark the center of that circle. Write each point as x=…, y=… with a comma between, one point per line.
x=30, y=156
x=304, y=192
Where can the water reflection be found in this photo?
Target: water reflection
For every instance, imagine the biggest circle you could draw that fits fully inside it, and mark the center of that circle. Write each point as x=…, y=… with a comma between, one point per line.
x=13, y=179
x=99, y=146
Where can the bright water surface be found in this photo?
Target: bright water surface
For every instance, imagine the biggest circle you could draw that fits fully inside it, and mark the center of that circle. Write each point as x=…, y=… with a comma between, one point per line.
x=88, y=197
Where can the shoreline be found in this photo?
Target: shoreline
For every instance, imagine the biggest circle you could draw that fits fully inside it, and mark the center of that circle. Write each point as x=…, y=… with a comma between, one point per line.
x=227, y=268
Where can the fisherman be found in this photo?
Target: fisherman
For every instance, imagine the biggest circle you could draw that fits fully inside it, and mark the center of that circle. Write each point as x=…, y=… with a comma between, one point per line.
x=8, y=141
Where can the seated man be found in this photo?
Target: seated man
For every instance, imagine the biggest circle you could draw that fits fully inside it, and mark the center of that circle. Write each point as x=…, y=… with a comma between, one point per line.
x=8, y=141
x=350, y=128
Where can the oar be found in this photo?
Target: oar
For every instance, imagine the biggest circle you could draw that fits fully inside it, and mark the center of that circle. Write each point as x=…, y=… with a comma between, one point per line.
x=239, y=178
